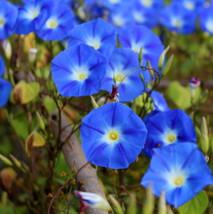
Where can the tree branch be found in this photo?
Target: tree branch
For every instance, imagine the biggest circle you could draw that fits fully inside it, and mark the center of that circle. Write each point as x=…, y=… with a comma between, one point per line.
x=74, y=156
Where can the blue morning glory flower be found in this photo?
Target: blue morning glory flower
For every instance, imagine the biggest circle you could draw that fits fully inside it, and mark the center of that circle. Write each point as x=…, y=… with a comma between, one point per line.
x=56, y=22
x=137, y=37
x=29, y=15
x=206, y=20
x=191, y=5
x=180, y=170
x=98, y=34
x=177, y=18
x=156, y=4
x=78, y=71
x=112, y=4
x=5, y=89
x=159, y=101
x=112, y=136
x=121, y=62
x=2, y=67
x=165, y=128
x=121, y=16
x=8, y=16
x=144, y=16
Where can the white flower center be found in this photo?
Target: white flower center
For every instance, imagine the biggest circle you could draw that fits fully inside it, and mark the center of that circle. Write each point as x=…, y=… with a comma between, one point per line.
x=2, y=21
x=177, y=23
x=114, y=1
x=118, y=21
x=169, y=136
x=118, y=77
x=189, y=5
x=52, y=23
x=209, y=26
x=176, y=177
x=146, y=3
x=138, y=17
x=95, y=43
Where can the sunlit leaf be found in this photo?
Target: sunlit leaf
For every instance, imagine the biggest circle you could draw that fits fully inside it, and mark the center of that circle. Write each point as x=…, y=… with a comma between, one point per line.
x=197, y=205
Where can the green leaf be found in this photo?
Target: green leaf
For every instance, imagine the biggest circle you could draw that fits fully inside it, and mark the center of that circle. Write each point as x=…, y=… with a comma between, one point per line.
x=181, y=96
x=49, y=104
x=34, y=140
x=21, y=127
x=25, y=92
x=197, y=205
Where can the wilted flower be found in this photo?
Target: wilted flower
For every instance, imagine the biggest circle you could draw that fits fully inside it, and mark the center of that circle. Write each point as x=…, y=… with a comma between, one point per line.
x=112, y=136
x=78, y=71
x=169, y=127
x=56, y=22
x=120, y=63
x=99, y=34
x=92, y=200
x=8, y=16
x=180, y=170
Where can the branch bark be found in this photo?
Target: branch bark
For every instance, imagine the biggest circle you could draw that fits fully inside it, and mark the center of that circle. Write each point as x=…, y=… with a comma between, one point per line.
x=74, y=156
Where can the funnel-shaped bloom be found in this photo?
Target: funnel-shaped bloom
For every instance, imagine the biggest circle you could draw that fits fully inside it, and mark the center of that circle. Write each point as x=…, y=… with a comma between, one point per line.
x=5, y=89
x=56, y=22
x=159, y=101
x=112, y=136
x=177, y=18
x=121, y=62
x=180, y=170
x=192, y=5
x=99, y=34
x=29, y=15
x=137, y=37
x=8, y=17
x=165, y=128
x=206, y=20
x=144, y=16
x=78, y=71
x=156, y=4
x=2, y=67
x=121, y=15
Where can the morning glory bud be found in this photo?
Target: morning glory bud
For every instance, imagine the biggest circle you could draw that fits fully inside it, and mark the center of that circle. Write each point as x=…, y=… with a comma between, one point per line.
x=92, y=200
x=194, y=83
x=162, y=204
x=33, y=54
x=204, y=136
x=6, y=45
